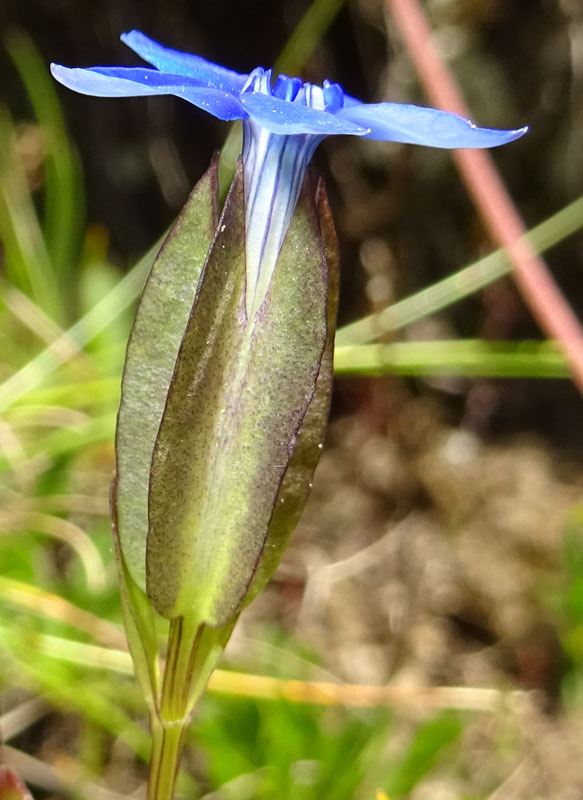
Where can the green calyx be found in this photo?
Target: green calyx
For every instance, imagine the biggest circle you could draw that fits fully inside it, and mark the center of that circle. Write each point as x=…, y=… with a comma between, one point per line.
x=223, y=417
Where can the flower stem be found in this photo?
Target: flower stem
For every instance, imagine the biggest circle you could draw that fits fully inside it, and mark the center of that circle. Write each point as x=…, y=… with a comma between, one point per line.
x=170, y=721
x=167, y=745
x=193, y=651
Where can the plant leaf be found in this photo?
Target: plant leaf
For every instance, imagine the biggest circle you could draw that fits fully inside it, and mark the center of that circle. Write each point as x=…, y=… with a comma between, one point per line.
x=161, y=319
x=237, y=400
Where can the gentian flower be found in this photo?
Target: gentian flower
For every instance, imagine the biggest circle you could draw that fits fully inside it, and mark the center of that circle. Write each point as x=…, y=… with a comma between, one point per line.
x=228, y=373
x=283, y=122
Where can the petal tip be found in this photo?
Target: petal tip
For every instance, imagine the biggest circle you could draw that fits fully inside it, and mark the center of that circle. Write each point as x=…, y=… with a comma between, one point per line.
x=59, y=72
x=511, y=135
x=128, y=36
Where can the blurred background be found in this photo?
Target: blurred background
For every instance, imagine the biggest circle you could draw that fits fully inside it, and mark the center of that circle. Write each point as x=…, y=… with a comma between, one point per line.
x=443, y=543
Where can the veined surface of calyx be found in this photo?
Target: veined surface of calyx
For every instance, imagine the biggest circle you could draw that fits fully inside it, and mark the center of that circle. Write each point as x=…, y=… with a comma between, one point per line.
x=223, y=414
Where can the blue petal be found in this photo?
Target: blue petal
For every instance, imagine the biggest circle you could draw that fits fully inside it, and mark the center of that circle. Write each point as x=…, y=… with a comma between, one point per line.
x=280, y=116
x=397, y=122
x=177, y=63
x=130, y=82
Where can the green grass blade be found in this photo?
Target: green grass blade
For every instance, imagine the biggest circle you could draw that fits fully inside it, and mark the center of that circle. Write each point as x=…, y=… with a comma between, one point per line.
x=307, y=36
x=60, y=683
x=461, y=284
x=431, y=738
x=86, y=394
x=63, y=186
x=27, y=261
x=65, y=440
x=79, y=335
x=465, y=358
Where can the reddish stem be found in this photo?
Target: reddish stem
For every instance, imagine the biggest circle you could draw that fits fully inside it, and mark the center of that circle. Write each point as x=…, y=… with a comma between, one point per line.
x=484, y=184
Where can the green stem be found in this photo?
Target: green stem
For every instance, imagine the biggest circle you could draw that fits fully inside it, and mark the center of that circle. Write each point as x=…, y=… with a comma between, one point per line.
x=193, y=652
x=170, y=722
x=183, y=642
x=167, y=746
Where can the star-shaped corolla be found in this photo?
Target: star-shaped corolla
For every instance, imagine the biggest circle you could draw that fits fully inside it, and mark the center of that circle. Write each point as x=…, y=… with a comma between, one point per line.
x=283, y=123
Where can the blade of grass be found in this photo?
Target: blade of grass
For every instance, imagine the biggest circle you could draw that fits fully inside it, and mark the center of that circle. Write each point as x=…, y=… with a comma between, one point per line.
x=58, y=682
x=85, y=394
x=21, y=717
x=63, y=189
x=51, y=606
x=65, y=440
x=426, y=746
x=463, y=358
x=83, y=331
x=12, y=520
x=30, y=314
x=31, y=415
x=80, y=503
x=27, y=261
x=241, y=684
x=462, y=283
x=307, y=36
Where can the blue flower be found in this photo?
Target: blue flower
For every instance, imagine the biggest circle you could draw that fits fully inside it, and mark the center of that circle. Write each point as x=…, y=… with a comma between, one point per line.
x=283, y=122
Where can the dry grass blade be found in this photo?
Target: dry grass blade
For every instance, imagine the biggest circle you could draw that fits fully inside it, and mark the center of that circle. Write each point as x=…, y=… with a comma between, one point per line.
x=18, y=719
x=412, y=698
x=61, y=781
x=51, y=606
x=415, y=699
